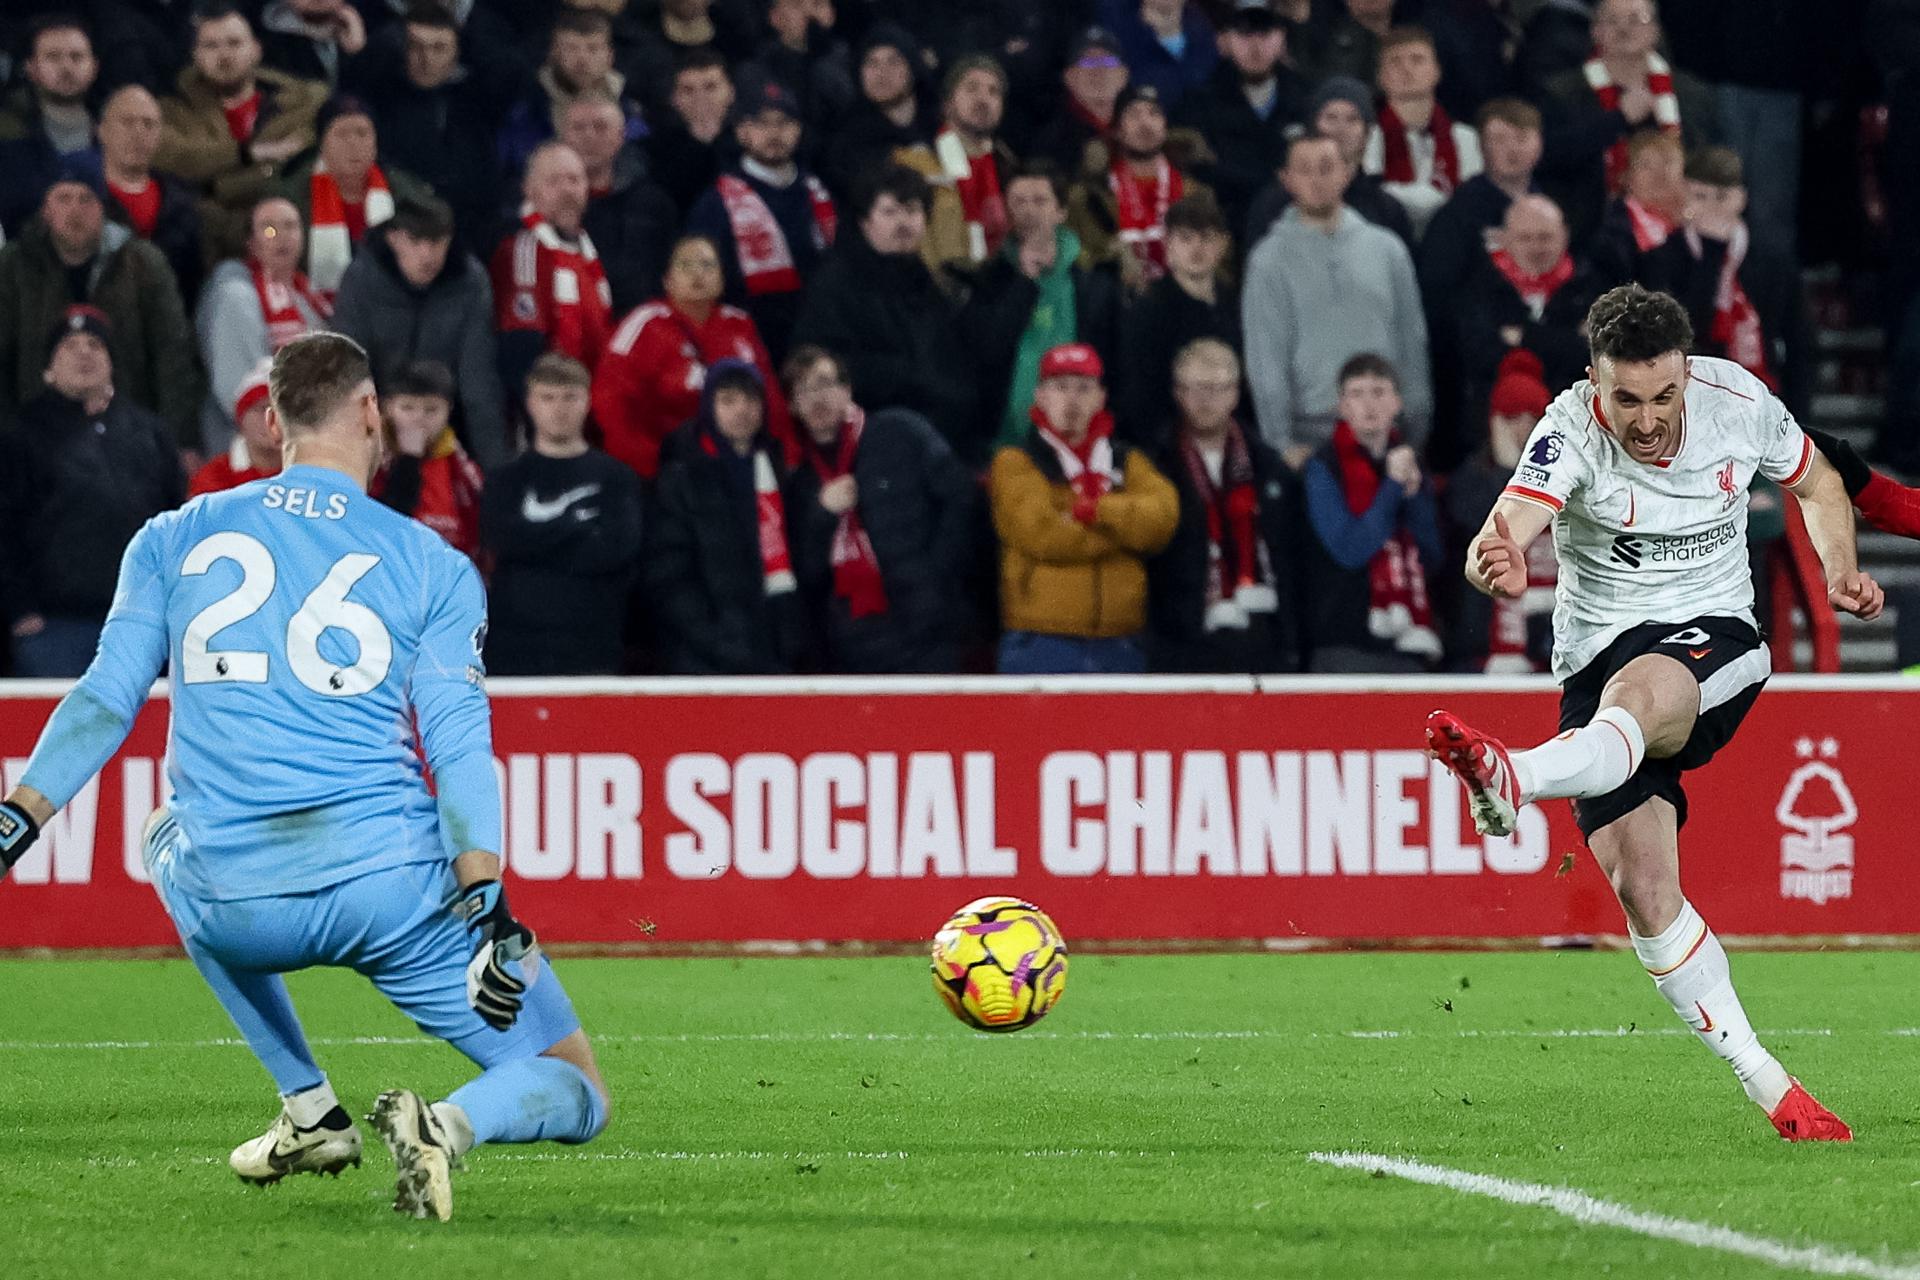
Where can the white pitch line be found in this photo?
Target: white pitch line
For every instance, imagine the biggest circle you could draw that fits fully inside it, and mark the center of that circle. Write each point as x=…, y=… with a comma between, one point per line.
x=1590, y=1211
x=900, y=1037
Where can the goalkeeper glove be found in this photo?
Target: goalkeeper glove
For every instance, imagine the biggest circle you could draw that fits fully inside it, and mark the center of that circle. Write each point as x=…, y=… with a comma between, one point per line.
x=505, y=958
x=18, y=831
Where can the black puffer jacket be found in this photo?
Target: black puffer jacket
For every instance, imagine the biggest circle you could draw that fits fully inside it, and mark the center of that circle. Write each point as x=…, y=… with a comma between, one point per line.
x=888, y=317
x=704, y=583
x=74, y=490
x=920, y=508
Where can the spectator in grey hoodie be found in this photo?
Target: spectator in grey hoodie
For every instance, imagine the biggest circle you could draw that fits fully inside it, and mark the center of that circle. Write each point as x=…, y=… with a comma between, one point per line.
x=1323, y=286
x=406, y=297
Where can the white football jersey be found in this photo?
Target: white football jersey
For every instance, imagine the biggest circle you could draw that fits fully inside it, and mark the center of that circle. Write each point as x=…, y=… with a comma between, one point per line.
x=1663, y=542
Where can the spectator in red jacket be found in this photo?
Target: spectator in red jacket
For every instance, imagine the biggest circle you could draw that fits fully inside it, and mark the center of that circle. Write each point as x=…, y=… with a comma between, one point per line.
x=650, y=382
x=255, y=452
x=428, y=475
x=550, y=292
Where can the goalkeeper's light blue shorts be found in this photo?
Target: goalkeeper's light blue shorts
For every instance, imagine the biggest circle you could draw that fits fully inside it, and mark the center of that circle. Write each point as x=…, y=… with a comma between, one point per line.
x=393, y=926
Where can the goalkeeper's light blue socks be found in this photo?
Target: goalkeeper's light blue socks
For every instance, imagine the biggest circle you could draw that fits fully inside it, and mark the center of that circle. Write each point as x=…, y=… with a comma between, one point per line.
x=530, y=1100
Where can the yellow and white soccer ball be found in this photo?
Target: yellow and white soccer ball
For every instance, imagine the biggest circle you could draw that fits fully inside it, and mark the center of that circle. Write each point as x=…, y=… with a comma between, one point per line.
x=999, y=964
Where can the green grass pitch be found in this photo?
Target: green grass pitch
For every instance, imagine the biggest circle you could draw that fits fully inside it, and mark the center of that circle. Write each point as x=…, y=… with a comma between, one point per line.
x=826, y=1117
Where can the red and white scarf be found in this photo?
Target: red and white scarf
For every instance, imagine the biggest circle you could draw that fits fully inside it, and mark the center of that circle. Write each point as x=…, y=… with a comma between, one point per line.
x=1088, y=468
x=1239, y=570
x=1736, y=323
x=766, y=259
x=1398, y=607
x=1397, y=158
x=1536, y=291
x=856, y=569
x=329, y=242
x=1666, y=108
x=770, y=517
x=280, y=306
x=976, y=179
x=1142, y=217
x=1507, y=629
x=1650, y=226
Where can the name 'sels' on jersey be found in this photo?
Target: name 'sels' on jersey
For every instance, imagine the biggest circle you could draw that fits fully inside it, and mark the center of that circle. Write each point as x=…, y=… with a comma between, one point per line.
x=1655, y=542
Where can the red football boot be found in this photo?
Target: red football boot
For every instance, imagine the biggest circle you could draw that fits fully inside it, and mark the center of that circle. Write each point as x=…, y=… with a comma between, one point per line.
x=1801, y=1118
x=1482, y=764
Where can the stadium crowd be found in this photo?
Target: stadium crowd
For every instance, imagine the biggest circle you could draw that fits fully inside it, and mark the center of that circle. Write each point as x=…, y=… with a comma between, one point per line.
x=766, y=336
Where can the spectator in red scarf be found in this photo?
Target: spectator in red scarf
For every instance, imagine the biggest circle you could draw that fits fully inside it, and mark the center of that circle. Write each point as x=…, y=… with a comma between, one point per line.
x=1527, y=293
x=255, y=452
x=1222, y=598
x=967, y=166
x=1639, y=220
x=772, y=220
x=343, y=191
x=718, y=566
x=653, y=378
x=1092, y=82
x=1376, y=536
x=428, y=475
x=1421, y=154
x=250, y=309
x=1626, y=86
x=883, y=519
x=1119, y=209
x=550, y=292
x=1501, y=635
x=631, y=218
x=1078, y=515
x=1744, y=295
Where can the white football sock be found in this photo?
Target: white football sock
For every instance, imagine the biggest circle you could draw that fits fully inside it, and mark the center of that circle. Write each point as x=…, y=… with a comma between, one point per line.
x=1689, y=966
x=453, y=1118
x=309, y=1107
x=1589, y=761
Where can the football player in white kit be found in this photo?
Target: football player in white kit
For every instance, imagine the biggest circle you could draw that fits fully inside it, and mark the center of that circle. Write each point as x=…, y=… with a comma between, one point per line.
x=1642, y=470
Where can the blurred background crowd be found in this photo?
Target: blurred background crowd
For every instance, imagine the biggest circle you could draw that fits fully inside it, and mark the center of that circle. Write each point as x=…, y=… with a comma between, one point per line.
x=770, y=336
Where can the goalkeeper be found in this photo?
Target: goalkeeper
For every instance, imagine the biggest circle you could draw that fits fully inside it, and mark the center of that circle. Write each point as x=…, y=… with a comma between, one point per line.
x=302, y=624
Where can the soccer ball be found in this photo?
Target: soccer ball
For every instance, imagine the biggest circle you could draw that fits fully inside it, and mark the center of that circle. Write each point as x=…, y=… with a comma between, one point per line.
x=999, y=964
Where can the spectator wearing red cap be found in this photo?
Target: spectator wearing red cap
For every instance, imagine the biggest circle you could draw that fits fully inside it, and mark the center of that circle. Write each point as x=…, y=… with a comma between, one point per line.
x=1511, y=635
x=1119, y=208
x=252, y=308
x=86, y=467
x=651, y=381
x=1078, y=514
x=1223, y=590
x=772, y=221
x=254, y=453
x=1527, y=293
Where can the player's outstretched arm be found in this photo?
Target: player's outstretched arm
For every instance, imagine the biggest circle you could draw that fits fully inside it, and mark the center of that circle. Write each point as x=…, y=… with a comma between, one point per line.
x=1497, y=557
x=1829, y=516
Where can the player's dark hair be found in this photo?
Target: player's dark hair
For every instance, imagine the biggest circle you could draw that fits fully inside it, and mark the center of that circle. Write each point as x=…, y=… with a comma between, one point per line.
x=1368, y=365
x=906, y=185
x=423, y=378
x=313, y=376
x=1045, y=171
x=1632, y=325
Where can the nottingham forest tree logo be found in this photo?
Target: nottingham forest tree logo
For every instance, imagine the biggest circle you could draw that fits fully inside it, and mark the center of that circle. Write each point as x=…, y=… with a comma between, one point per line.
x=1816, y=861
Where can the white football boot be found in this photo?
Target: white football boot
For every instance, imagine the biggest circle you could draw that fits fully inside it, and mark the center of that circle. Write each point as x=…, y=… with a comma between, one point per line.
x=424, y=1156
x=286, y=1148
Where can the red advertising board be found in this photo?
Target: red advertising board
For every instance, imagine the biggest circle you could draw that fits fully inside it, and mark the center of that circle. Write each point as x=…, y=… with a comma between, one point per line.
x=1298, y=809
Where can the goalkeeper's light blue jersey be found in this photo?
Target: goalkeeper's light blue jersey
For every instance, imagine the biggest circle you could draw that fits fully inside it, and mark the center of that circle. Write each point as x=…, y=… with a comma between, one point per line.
x=305, y=629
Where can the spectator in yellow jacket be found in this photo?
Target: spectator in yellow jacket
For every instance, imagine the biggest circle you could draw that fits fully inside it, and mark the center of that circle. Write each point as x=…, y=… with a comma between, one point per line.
x=1078, y=513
